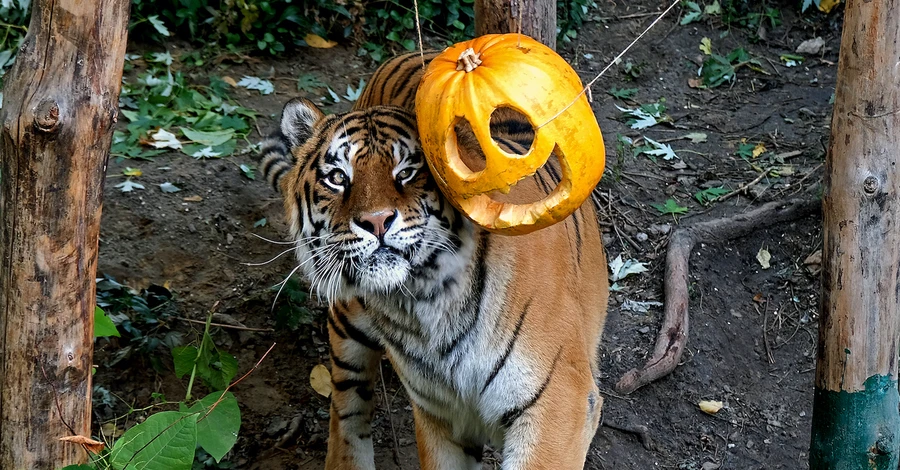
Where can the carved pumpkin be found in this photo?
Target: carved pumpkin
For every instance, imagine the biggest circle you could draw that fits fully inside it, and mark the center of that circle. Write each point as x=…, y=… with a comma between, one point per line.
x=472, y=79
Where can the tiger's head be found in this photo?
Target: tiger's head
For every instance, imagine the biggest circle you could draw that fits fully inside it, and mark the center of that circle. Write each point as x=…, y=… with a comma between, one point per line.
x=364, y=211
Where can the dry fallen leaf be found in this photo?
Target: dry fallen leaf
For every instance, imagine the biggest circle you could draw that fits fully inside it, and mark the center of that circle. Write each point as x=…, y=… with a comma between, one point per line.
x=320, y=379
x=763, y=256
x=827, y=5
x=759, y=150
x=711, y=406
x=92, y=446
x=695, y=82
x=229, y=81
x=193, y=199
x=314, y=40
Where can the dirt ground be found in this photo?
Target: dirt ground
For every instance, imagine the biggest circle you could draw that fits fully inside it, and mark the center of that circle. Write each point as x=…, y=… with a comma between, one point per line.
x=753, y=330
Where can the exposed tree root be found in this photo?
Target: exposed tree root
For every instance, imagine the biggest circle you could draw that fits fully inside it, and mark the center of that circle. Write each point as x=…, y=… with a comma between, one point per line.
x=672, y=335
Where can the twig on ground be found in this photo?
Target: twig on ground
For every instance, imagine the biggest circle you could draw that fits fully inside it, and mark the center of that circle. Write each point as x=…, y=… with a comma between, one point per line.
x=745, y=187
x=672, y=337
x=223, y=325
x=769, y=355
x=642, y=433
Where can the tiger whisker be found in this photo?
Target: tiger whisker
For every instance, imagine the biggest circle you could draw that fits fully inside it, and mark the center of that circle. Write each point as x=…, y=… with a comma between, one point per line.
x=279, y=255
x=284, y=283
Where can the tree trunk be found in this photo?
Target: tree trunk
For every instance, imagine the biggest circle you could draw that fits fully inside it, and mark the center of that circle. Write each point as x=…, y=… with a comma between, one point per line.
x=60, y=105
x=856, y=423
x=502, y=16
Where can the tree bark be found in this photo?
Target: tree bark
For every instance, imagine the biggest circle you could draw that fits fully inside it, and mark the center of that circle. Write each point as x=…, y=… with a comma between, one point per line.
x=538, y=18
x=60, y=105
x=856, y=423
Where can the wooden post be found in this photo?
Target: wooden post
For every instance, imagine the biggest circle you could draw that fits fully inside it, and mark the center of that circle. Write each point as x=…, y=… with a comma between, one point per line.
x=856, y=423
x=60, y=104
x=502, y=16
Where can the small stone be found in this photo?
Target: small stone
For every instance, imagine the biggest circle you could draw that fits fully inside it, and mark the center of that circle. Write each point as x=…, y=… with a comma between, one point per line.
x=277, y=426
x=191, y=228
x=660, y=229
x=644, y=330
x=710, y=466
x=750, y=444
x=641, y=236
x=228, y=239
x=811, y=46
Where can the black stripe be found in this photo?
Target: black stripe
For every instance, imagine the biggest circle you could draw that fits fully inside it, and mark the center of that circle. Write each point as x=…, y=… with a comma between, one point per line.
x=543, y=183
x=336, y=361
x=402, y=80
x=576, y=224
x=337, y=330
x=343, y=416
x=347, y=384
x=553, y=173
x=275, y=178
x=512, y=415
x=355, y=333
x=509, y=347
x=474, y=299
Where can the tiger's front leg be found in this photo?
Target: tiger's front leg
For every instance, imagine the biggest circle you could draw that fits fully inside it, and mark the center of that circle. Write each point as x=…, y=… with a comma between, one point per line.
x=555, y=431
x=355, y=358
x=437, y=450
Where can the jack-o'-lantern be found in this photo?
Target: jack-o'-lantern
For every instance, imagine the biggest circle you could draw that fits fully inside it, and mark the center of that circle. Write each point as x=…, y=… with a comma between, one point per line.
x=468, y=82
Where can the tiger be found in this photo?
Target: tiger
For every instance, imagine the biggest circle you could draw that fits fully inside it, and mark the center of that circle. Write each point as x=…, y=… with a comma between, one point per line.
x=495, y=338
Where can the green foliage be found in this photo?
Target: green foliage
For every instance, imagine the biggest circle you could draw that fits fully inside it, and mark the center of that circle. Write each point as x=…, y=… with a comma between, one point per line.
x=14, y=15
x=165, y=440
x=718, y=70
x=570, y=15
x=163, y=102
x=745, y=150
x=139, y=317
x=291, y=311
x=670, y=207
x=214, y=367
x=103, y=325
x=622, y=93
x=749, y=14
x=270, y=26
x=217, y=430
x=705, y=196
x=392, y=24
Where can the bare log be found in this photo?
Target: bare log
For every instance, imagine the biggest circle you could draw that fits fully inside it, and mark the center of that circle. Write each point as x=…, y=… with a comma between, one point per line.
x=538, y=18
x=855, y=422
x=672, y=337
x=60, y=105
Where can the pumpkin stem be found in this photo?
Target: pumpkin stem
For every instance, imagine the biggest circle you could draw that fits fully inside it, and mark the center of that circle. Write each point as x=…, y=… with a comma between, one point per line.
x=468, y=60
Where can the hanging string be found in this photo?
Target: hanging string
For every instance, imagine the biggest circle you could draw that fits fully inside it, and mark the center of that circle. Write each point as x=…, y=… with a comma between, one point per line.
x=419, y=31
x=587, y=88
x=519, y=26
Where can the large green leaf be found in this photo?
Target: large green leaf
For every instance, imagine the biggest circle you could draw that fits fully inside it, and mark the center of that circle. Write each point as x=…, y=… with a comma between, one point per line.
x=218, y=431
x=183, y=357
x=165, y=441
x=103, y=326
x=209, y=138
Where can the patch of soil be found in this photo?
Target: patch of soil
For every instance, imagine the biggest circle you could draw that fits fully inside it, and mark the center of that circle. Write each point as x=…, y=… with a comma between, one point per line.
x=753, y=330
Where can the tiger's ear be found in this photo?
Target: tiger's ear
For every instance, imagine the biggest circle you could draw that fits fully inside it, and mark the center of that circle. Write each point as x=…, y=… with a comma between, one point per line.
x=298, y=119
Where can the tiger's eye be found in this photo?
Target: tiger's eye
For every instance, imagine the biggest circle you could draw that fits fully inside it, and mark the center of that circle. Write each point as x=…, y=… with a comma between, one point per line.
x=337, y=178
x=404, y=174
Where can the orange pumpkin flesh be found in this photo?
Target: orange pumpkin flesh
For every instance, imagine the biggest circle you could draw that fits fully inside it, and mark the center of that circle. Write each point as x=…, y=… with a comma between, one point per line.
x=517, y=72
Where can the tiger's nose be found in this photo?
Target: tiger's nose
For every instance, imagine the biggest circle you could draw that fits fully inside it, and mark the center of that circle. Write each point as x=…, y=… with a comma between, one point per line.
x=377, y=223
